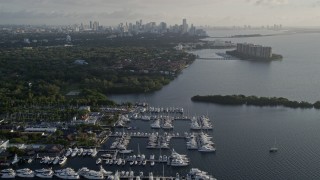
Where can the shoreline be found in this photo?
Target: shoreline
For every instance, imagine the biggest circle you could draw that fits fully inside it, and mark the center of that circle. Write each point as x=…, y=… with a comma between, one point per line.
x=236, y=100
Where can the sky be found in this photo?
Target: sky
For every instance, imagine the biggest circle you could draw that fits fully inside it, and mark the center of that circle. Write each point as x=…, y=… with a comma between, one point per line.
x=198, y=12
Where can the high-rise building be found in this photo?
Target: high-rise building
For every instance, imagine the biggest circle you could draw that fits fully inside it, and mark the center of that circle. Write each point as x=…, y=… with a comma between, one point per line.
x=254, y=50
x=184, y=26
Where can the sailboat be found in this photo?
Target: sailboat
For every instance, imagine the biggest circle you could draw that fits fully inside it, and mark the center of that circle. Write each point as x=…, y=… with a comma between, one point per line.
x=274, y=148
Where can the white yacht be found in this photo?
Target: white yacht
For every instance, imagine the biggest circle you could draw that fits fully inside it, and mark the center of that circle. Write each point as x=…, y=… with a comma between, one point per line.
x=9, y=170
x=119, y=161
x=207, y=148
x=94, y=152
x=98, y=161
x=94, y=175
x=131, y=163
x=68, y=175
x=56, y=160
x=156, y=124
x=116, y=175
x=144, y=162
x=195, y=173
x=45, y=160
x=177, y=176
x=107, y=161
x=74, y=152
x=167, y=124
x=43, y=170
x=68, y=153
x=104, y=172
x=46, y=175
x=179, y=162
x=23, y=170
x=9, y=175
x=89, y=152
x=83, y=171
x=145, y=118
x=152, y=157
x=150, y=176
x=195, y=125
x=80, y=151
x=126, y=151
x=178, y=159
x=26, y=174
x=63, y=160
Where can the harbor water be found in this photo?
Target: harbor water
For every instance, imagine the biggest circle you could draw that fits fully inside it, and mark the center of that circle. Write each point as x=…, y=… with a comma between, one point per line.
x=244, y=134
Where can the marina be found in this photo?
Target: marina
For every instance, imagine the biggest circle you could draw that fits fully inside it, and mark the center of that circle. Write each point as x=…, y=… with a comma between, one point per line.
x=84, y=172
x=118, y=158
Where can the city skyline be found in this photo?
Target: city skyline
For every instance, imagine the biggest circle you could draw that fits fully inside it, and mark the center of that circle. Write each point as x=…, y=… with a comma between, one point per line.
x=204, y=12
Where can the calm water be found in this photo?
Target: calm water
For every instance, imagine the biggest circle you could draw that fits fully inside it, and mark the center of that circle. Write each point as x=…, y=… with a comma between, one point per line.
x=243, y=135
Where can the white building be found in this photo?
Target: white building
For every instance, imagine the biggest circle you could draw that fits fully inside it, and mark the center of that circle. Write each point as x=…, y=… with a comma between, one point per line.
x=41, y=129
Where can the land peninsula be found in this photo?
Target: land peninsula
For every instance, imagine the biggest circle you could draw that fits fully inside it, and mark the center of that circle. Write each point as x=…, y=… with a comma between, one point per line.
x=254, y=101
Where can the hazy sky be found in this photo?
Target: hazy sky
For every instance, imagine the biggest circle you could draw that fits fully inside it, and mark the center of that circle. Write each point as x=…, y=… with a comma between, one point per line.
x=199, y=12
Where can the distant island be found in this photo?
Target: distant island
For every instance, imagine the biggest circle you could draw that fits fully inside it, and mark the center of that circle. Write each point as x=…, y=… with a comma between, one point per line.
x=248, y=35
x=255, y=52
x=254, y=101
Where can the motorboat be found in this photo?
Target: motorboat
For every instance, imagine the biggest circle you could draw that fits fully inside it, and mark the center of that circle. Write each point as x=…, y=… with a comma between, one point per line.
x=119, y=161
x=126, y=151
x=107, y=155
x=104, y=172
x=94, y=152
x=43, y=170
x=89, y=152
x=74, y=152
x=207, y=148
x=9, y=175
x=9, y=170
x=68, y=153
x=178, y=162
x=26, y=174
x=80, y=151
x=83, y=171
x=64, y=170
x=45, y=160
x=195, y=173
x=68, y=175
x=23, y=170
x=94, y=175
x=63, y=160
x=150, y=176
x=47, y=175
x=123, y=162
x=131, y=163
x=144, y=162
x=56, y=160
x=98, y=161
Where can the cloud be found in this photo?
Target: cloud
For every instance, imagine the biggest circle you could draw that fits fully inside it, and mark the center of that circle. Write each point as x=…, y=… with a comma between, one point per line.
x=316, y=4
x=269, y=2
